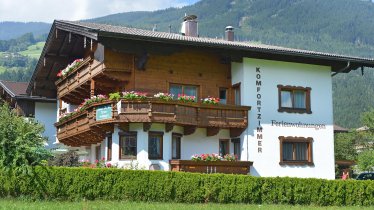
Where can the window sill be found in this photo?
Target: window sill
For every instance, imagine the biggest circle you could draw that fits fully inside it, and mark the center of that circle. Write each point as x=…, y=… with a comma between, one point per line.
x=128, y=158
x=296, y=163
x=294, y=110
x=155, y=158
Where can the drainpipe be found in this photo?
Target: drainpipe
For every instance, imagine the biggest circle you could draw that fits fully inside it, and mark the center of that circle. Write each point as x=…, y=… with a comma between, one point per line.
x=343, y=69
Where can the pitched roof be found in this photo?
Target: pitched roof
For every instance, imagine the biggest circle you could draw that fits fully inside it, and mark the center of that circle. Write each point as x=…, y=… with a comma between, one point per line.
x=14, y=89
x=94, y=30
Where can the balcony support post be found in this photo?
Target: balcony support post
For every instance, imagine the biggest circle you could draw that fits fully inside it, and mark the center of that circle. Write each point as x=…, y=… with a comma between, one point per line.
x=212, y=131
x=189, y=129
x=92, y=93
x=236, y=132
x=169, y=127
x=146, y=126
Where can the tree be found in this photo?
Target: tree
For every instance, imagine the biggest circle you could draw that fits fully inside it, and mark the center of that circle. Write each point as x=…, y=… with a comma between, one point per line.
x=366, y=160
x=345, y=146
x=21, y=142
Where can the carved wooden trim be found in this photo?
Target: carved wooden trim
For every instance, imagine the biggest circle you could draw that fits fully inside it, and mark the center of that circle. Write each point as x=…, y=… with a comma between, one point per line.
x=212, y=131
x=125, y=127
x=292, y=139
x=189, y=129
x=236, y=132
x=169, y=127
x=307, y=90
x=146, y=126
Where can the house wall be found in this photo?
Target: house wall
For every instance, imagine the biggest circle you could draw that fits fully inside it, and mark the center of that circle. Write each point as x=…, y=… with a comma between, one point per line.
x=197, y=143
x=45, y=113
x=265, y=152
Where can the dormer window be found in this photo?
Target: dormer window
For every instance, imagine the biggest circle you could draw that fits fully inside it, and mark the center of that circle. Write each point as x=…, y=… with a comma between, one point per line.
x=294, y=99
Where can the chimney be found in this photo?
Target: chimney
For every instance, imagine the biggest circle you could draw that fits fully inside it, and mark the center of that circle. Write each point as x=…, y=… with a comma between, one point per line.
x=229, y=33
x=190, y=26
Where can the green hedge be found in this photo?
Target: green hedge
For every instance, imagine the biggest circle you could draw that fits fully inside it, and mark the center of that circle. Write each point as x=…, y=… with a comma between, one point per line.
x=116, y=184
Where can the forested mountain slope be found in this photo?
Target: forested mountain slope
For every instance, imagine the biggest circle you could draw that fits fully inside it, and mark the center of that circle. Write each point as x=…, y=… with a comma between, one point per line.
x=12, y=30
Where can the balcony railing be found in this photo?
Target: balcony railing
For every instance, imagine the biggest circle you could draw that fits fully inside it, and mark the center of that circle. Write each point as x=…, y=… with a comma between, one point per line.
x=194, y=114
x=91, y=125
x=209, y=167
x=79, y=76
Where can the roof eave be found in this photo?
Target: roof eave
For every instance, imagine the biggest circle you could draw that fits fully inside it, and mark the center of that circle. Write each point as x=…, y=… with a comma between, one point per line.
x=84, y=31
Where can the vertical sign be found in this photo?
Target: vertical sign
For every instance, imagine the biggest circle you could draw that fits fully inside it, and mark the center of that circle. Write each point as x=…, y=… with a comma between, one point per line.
x=259, y=136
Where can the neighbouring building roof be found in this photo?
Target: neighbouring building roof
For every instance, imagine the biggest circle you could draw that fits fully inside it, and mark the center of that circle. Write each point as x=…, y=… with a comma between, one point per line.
x=339, y=129
x=14, y=88
x=17, y=90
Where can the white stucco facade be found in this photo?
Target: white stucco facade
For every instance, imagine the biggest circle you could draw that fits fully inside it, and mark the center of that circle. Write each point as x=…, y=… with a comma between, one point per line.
x=263, y=98
x=45, y=113
x=259, y=80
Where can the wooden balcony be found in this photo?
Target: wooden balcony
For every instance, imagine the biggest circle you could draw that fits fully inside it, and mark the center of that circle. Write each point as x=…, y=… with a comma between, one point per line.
x=77, y=84
x=91, y=125
x=208, y=167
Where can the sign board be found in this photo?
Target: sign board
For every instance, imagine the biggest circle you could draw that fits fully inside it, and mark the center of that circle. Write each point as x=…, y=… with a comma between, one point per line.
x=104, y=112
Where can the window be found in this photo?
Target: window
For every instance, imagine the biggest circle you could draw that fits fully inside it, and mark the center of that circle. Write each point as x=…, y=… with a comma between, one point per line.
x=223, y=95
x=127, y=145
x=98, y=152
x=188, y=90
x=296, y=151
x=224, y=147
x=236, y=88
x=237, y=148
x=155, y=147
x=176, y=146
x=109, y=147
x=294, y=99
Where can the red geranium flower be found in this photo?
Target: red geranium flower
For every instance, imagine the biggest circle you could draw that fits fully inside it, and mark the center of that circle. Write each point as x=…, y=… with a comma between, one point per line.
x=59, y=74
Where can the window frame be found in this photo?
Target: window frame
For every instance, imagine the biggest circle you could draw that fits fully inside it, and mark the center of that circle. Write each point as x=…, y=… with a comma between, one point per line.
x=156, y=133
x=227, y=142
x=236, y=141
x=236, y=87
x=293, y=140
x=109, y=147
x=183, y=86
x=226, y=94
x=292, y=109
x=98, y=152
x=179, y=146
x=127, y=134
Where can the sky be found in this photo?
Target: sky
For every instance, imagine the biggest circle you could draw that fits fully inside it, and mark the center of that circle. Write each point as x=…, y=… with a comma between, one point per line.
x=48, y=10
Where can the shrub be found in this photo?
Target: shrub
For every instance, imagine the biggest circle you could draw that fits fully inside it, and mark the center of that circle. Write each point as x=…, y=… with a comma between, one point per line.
x=117, y=184
x=69, y=159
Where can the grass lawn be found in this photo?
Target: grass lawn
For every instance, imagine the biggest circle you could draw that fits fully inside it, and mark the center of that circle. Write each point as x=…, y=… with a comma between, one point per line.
x=19, y=204
x=33, y=51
